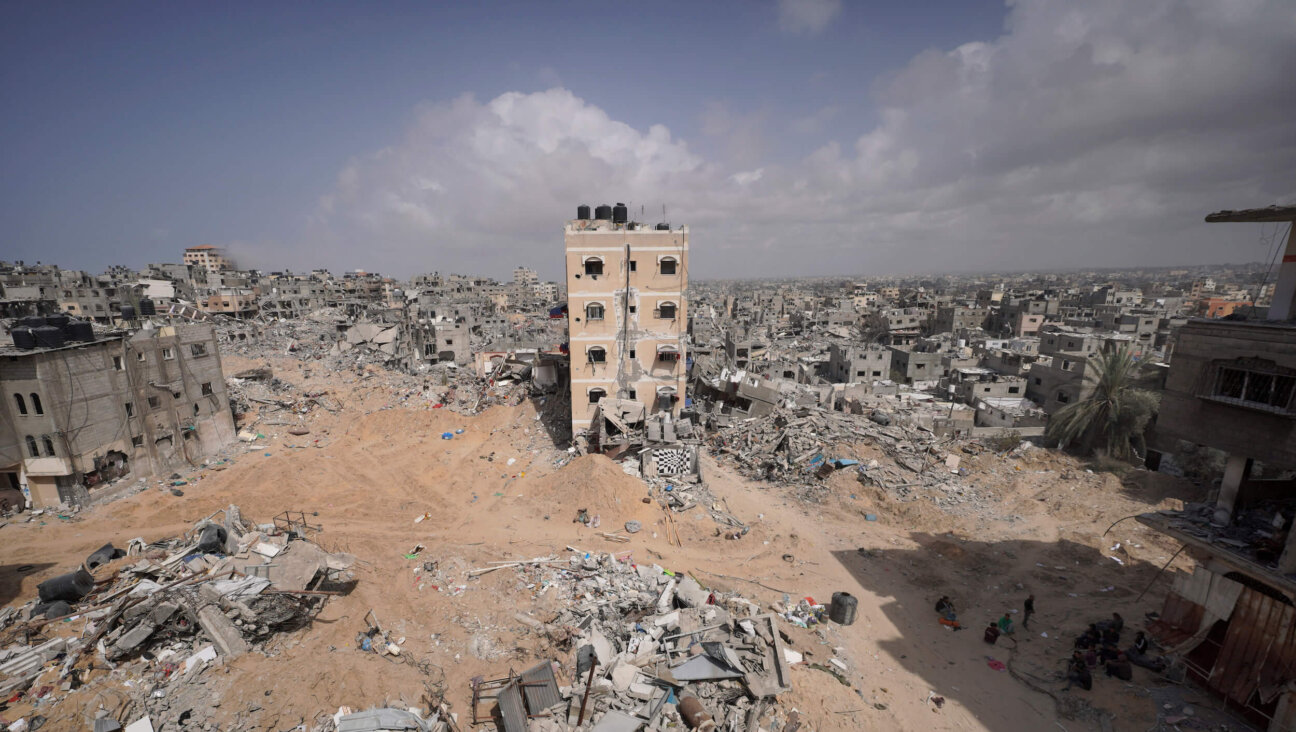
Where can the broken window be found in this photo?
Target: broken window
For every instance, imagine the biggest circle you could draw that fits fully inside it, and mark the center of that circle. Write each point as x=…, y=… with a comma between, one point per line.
x=137, y=441
x=593, y=266
x=594, y=311
x=31, y=447
x=117, y=363
x=168, y=354
x=207, y=388
x=667, y=265
x=666, y=311
x=140, y=357
x=595, y=395
x=36, y=403
x=49, y=445
x=130, y=409
x=22, y=403
x=198, y=349
x=634, y=266
x=597, y=354
x=1063, y=398
x=154, y=402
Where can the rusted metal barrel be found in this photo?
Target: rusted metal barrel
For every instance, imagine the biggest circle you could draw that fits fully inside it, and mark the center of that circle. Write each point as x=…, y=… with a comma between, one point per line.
x=694, y=715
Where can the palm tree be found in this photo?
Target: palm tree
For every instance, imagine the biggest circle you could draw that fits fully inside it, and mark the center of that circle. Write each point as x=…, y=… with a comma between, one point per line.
x=1117, y=410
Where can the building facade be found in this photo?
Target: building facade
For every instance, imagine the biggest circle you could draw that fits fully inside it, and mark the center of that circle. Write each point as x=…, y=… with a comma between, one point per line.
x=627, y=312
x=210, y=258
x=78, y=416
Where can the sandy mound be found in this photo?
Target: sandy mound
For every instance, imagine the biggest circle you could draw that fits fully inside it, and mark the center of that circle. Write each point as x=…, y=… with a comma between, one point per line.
x=595, y=483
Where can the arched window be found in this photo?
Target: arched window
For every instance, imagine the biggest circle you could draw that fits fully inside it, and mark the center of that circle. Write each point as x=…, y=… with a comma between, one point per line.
x=36, y=405
x=31, y=446
x=22, y=404
x=597, y=354
x=593, y=265
x=666, y=311
x=49, y=445
x=594, y=311
x=596, y=394
x=667, y=265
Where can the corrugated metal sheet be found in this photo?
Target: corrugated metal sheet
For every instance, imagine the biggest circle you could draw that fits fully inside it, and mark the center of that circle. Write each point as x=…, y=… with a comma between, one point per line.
x=1259, y=645
x=540, y=687
x=512, y=714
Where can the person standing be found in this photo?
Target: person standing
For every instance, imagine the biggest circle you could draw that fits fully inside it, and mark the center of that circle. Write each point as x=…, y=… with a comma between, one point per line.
x=1029, y=611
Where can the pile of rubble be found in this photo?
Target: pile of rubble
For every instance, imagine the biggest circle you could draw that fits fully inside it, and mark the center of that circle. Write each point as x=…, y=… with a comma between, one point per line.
x=801, y=447
x=651, y=649
x=158, y=614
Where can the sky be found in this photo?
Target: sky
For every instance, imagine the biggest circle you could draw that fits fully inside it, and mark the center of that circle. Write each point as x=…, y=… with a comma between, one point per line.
x=793, y=137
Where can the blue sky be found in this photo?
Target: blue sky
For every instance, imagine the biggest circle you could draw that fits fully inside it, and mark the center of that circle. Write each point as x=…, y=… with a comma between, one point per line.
x=802, y=136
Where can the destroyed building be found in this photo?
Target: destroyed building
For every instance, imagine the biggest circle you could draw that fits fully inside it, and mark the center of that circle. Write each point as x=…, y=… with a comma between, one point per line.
x=626, y=286
x=858, y=363
x=1232, y=387
x=82, y=407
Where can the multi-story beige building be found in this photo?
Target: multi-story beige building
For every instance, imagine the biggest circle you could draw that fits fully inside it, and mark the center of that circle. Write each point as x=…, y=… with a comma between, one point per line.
x=208, y=257
x=627, y=312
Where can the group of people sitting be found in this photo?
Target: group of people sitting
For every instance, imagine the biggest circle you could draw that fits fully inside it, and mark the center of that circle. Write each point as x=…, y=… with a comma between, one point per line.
x=1100, y=644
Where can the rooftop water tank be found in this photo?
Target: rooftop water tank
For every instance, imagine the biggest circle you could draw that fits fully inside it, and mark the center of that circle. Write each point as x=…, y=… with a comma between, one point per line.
x=127, y=311
x=603, y=212
x=58, y=321
x=663, y=227
x=79, y=330
x=583, y=212
x=32, y=321
x=620, y=214
x=23, y=338
x=146, y=307
x=47, y=336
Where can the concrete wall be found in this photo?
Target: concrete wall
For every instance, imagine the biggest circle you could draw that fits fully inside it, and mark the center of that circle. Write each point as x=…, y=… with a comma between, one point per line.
x=1190, y=412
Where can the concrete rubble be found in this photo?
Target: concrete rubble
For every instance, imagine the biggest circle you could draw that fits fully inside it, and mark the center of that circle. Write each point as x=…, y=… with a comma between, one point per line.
x=164, y=612
x=641, y=642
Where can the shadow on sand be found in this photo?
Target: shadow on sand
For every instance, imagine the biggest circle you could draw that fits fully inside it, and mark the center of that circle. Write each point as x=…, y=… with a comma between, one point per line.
x=985, y=580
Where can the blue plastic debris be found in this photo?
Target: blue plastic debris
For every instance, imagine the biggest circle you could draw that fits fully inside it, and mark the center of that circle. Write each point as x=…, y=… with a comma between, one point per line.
x=447, y=435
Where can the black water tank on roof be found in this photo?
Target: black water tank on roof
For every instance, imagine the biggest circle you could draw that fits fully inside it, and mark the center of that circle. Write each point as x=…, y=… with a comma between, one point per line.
x=603, y=212
x=583, y=212
x=23, y=338
x=47, y=336
x=147, y=307
x=32, y=321
x=663, y=227
x=620, y=214
x=58, y=321
x=127, y=311
x=79, y=330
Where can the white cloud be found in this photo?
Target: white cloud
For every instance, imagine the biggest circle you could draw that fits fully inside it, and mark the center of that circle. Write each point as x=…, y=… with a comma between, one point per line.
x=807, y=16
x=1089, y=134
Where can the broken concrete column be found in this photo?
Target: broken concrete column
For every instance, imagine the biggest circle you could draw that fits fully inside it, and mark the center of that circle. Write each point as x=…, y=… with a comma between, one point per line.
x=1235, y=471
x=227, y=638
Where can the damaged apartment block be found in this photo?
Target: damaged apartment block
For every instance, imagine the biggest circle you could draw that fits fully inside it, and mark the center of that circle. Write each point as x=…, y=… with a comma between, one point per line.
x=85, y=406
x=627, y=317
